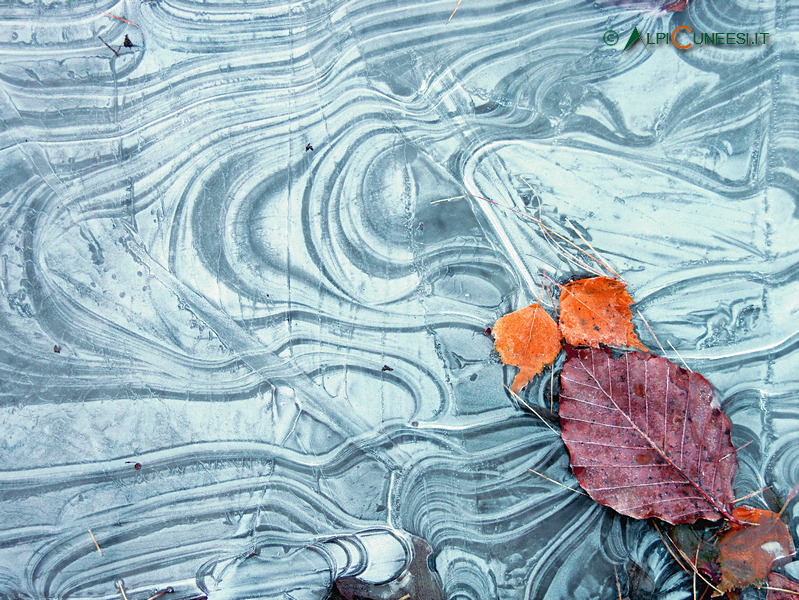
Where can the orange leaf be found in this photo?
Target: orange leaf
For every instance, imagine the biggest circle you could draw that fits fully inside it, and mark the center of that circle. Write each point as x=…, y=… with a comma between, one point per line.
x=529, y=339
x=747, y=552
x=597, y=311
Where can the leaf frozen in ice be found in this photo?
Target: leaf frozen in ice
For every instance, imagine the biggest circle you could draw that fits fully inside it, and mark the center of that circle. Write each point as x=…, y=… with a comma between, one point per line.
x=748, y=551
x=529, y=339
x=646, y=437
x=596, y=311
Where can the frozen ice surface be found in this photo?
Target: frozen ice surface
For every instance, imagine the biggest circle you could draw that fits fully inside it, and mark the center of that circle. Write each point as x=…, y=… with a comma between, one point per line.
x=225, y=300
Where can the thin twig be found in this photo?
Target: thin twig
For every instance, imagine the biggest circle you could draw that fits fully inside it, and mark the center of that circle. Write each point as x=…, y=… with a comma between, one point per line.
x=168, y=590
x=693, y=566
x=752, y=494
x=736, y=450
x=568, y=256
x=118, y=18
x=551, y=299
x=594, y=250
x=776, y=589
x=684, y=364
x=673, y=555
x=548, y=232
x=96, y=545
x=788, y=499
x=643, y=318
x=108, y=46
x=457, y=6
x=121, y=589
x=696, y=561
x=557, y=248
x=448, y=199
x=531, y=409
x=558, y=483
x=618, y=585
x=565, y=254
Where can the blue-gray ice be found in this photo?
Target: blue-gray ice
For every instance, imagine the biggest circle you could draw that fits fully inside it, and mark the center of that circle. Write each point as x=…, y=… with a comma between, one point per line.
x=225, y=300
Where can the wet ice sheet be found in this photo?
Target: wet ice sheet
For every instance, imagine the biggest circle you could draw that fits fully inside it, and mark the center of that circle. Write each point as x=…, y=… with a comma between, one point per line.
x=225, y=300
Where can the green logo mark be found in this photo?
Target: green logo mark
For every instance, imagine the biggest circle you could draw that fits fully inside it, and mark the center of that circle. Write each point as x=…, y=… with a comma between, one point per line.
x=634, y=37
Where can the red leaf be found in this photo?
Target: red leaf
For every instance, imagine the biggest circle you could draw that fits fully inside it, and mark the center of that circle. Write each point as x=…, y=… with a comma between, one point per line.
x=676, y=5
x=597, y=311
x=529, y=339
x=748, y=551
x=645, y=436
x=782, y=588
x=664, y=5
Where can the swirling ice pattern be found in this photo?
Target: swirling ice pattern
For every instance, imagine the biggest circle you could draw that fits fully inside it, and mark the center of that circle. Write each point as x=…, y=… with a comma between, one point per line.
x=225, y=300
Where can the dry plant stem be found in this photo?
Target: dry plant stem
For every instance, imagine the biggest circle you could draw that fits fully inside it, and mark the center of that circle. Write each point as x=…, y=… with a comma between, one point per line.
x=752, y=494
x=448, y=199
x=168, y=590
x=643, y=318
x=604, y=263
x=566, y=487
x=118, y=18
x=691, y=564
x=122, y=590
x=673, y=555
x=548, y=232
x=531, y=409
x=736, y=450
x=618, y=585
x=546, y=289
x=96, y=545
x=109, y=47
x=788, y=499
x=544, y=228
x=563, y=253
x=696, y=561
x=682, y=360
x=457, y=6
x=540, y=222
x=775, y=589
x=560, y=251
x=679, y=562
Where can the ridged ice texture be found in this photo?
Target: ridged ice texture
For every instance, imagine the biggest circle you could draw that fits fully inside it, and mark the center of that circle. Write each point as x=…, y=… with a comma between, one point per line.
x=225, y=301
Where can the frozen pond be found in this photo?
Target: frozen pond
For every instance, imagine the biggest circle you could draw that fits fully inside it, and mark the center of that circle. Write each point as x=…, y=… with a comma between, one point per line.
x=269, y=332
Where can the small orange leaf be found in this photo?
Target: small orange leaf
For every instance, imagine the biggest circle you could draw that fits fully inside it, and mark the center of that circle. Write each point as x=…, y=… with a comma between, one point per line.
x=529, y=339
x=747, y=552
x=597, y=311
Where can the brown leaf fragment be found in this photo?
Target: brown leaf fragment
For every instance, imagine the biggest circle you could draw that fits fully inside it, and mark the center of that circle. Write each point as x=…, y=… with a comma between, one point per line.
x=747, y=552
x=782, y=588
x=596, y=311
x=646, y=436
x=529, y=339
